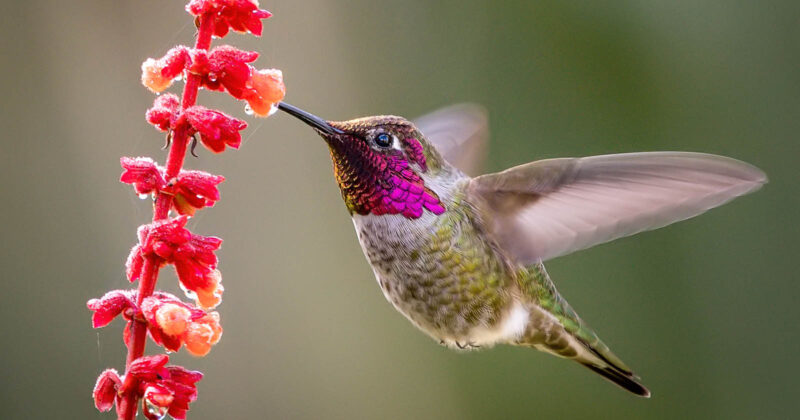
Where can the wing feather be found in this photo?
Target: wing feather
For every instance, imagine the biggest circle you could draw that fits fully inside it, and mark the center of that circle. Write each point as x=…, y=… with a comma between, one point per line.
x=550, y=208
x=460, y=133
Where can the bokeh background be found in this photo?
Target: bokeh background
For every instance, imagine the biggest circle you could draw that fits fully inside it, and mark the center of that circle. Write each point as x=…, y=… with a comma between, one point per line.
x=705, y=311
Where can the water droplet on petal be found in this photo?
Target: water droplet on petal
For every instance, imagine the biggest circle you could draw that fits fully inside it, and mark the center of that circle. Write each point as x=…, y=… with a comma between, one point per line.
x=248, y=110
x=143, y=196
x=154, y=410
x=189, y=294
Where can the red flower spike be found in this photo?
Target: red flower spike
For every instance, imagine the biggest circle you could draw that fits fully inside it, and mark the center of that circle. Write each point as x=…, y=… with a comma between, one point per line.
x=268, y=90
x=164, y=111
x=238, y=15
x=171, y=323
x=158, y=75
x=143, y=173
x=110, y=306
x=105, y=389
x=216, y=129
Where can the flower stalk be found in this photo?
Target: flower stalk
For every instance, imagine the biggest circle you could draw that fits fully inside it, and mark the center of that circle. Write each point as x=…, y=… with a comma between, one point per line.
x=170, y=322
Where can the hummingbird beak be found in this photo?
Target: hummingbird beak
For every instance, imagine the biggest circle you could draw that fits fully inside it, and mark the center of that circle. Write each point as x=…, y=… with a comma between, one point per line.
x=310, y=119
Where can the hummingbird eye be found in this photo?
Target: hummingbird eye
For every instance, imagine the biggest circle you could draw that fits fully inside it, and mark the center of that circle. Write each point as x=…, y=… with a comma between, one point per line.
x=383, y=140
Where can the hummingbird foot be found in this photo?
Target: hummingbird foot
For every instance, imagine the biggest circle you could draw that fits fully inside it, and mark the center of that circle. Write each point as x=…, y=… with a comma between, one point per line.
x=468, y=345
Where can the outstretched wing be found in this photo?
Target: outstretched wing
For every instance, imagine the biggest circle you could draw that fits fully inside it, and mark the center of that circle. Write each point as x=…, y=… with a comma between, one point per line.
x=460, y=133
x=545, y=209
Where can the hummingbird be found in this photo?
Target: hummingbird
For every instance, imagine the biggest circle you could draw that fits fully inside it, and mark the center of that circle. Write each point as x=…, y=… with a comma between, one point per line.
x=462, y=257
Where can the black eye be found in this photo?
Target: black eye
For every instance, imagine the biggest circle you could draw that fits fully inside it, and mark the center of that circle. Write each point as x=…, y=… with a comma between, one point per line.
x=383, y=140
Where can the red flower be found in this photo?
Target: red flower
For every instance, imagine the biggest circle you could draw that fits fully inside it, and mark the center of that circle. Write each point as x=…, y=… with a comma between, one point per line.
x=158, y=75
x=106, y=389
x=164, y=112
x=268, y=90
x=110, y=306
x=172, y=323
x=227, y=68
x=143, y=173
x=239, y=15
x=166, y=389
x=216, y=129
x=193, y=190
x=224, y=67
x=192, y=255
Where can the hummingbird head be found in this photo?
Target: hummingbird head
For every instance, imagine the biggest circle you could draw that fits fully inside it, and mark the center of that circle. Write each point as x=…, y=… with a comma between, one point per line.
x=380, y=163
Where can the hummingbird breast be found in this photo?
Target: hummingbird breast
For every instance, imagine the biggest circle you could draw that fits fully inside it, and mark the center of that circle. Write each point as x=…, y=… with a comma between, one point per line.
x=443, y=275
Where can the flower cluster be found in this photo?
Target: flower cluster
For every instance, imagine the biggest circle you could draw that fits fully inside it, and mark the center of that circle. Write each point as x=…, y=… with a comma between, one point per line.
x=224, y=68
x=189, y=191
x=177, y=195
x=163, y=389
x=171, y=323
x=216, y=129
x=169, y=242
x=238, y=15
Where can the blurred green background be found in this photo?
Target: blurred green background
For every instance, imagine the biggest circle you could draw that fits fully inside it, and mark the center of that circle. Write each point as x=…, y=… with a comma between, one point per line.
x=705, y=311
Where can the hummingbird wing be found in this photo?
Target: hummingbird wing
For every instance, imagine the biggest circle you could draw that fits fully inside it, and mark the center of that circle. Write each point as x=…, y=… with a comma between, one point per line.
x=548, y=208
x=460, y=133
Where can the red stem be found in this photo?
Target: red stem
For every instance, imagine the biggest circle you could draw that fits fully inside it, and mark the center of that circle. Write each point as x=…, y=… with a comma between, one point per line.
x=177, y=153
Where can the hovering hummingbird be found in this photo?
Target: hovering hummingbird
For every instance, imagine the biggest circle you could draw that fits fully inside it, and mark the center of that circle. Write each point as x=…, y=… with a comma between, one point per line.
x=461, y=257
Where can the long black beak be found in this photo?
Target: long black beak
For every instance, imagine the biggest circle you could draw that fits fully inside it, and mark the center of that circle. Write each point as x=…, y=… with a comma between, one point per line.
x=309, y=119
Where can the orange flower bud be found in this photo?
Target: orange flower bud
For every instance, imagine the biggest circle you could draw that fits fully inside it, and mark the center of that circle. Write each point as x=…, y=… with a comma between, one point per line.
x=152, y=78
x=268, y=90
x=211, y=296
x=202, y=334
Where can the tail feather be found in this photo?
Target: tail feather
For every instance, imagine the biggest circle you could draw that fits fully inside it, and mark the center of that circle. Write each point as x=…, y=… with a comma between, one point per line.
x=623, y=380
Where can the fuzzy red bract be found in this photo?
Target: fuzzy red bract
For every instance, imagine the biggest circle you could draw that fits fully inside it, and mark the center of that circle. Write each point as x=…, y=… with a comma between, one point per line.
x=224, y=68
x=158, y=75
x=216, y=129
x=164, y=111
x=110, y=306
x=143, y=173
x=105, y=389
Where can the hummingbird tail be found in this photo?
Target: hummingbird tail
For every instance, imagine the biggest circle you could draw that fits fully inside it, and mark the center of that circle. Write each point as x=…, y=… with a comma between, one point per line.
x=624, y=380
